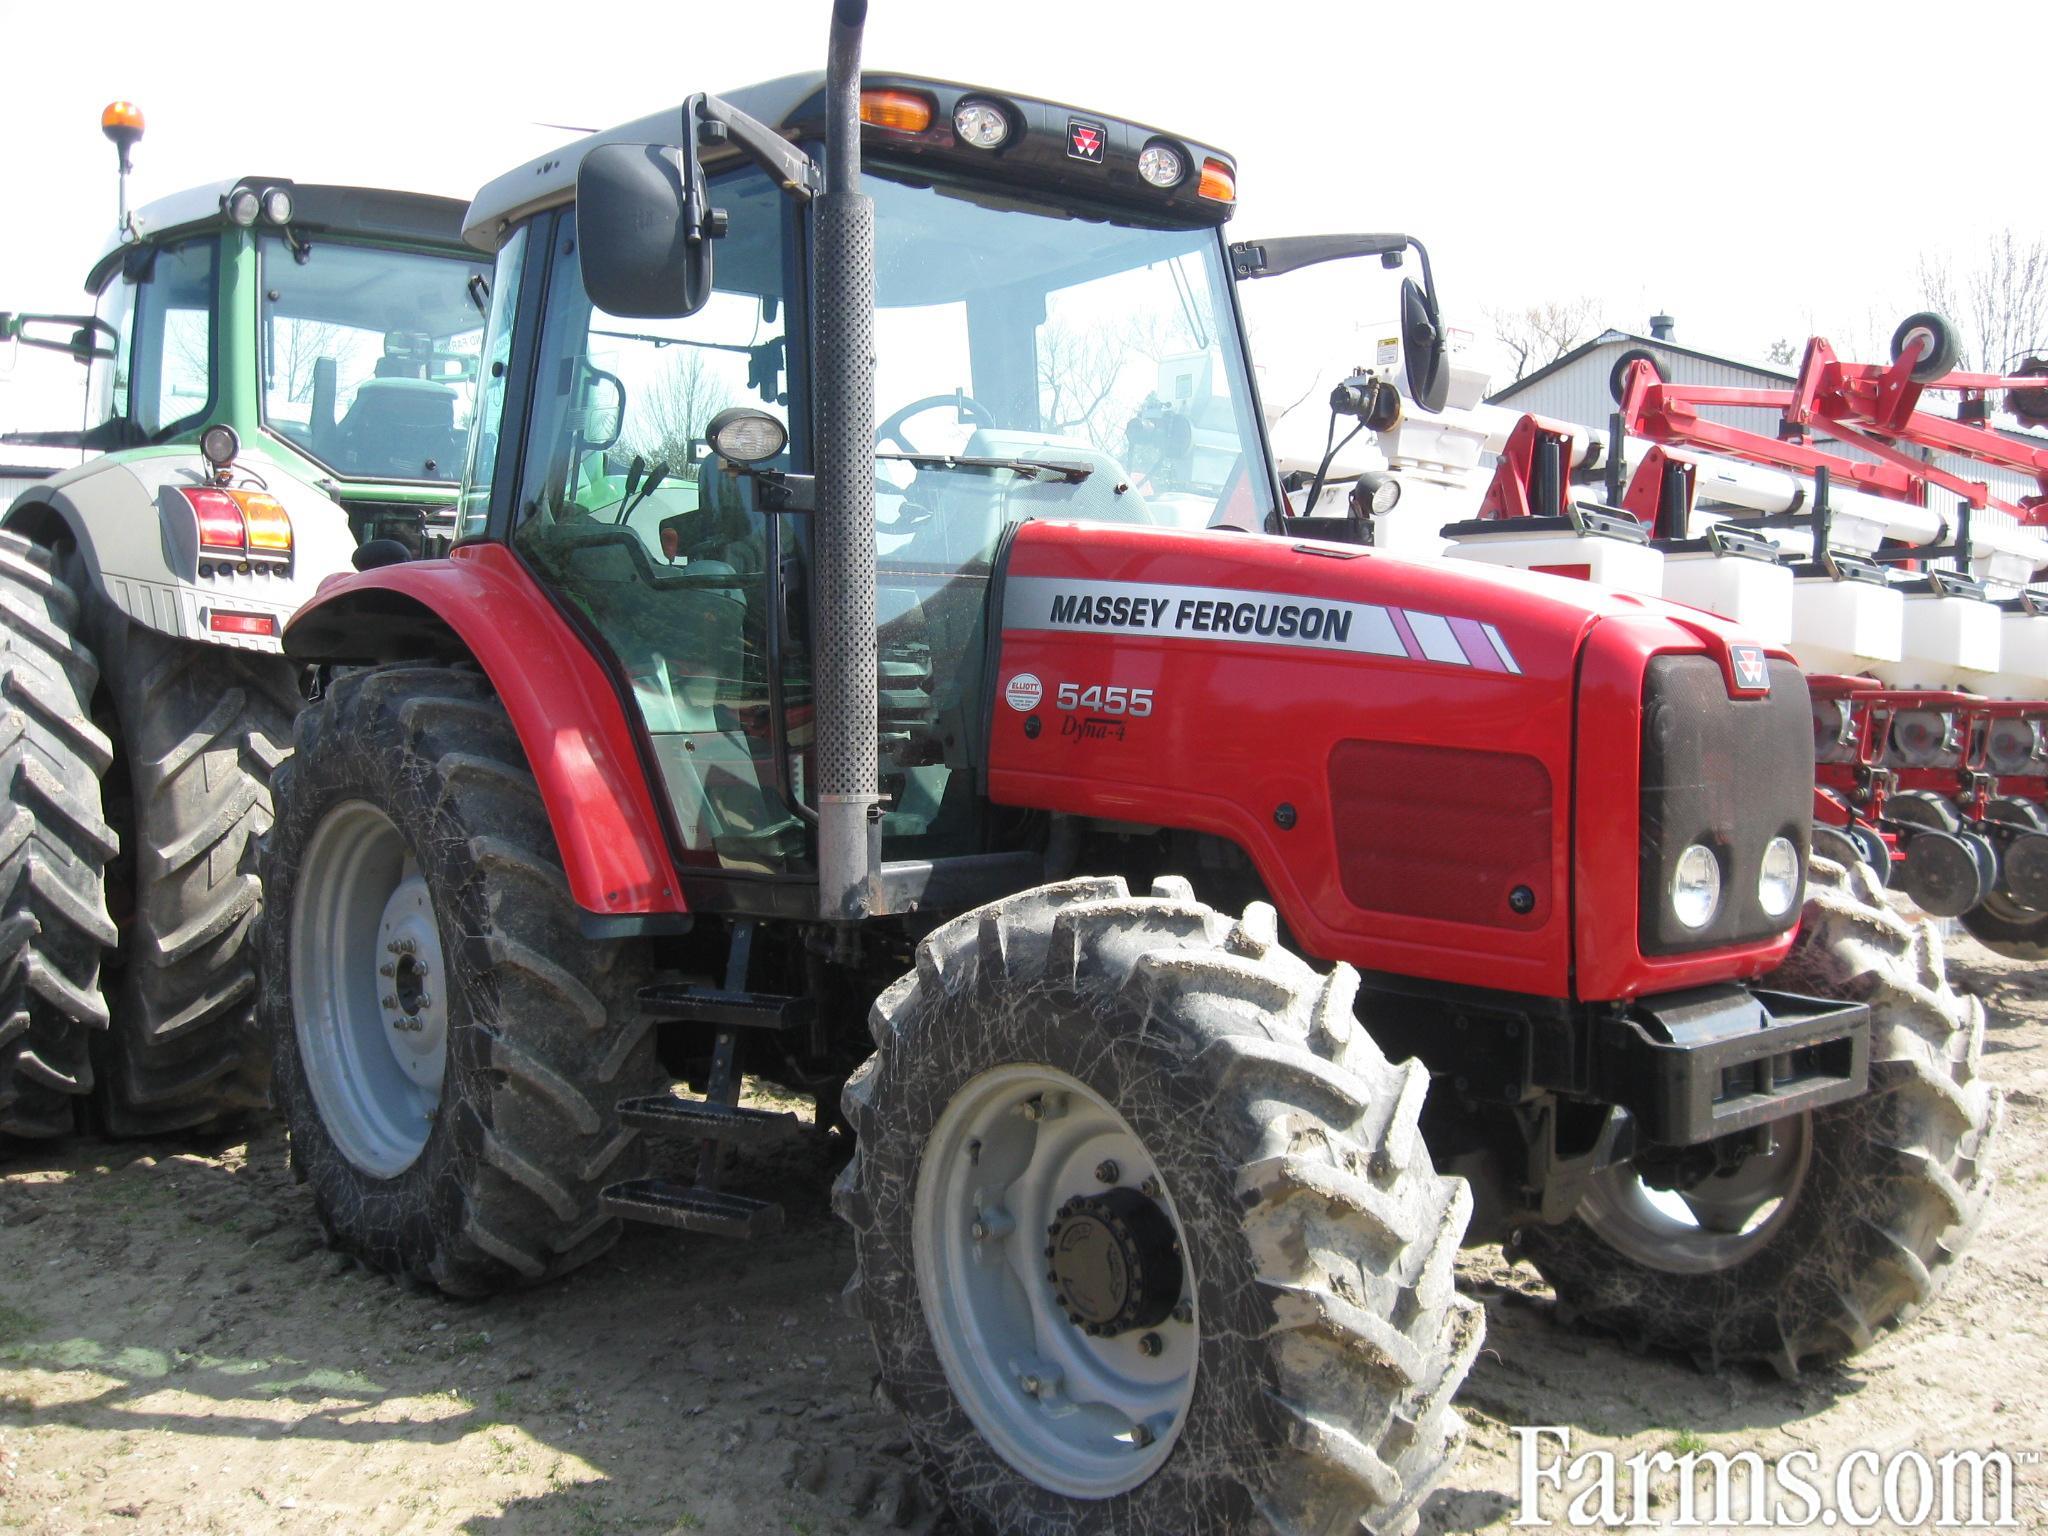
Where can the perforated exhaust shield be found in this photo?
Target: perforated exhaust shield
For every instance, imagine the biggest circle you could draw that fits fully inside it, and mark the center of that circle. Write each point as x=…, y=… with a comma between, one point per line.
x=1731, y=774
x=843, y=618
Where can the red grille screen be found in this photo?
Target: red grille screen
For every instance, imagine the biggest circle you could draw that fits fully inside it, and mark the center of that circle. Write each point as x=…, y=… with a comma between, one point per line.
x=1442, y=832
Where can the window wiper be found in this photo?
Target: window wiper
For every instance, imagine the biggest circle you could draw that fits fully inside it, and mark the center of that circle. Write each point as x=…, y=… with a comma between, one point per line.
x=1030, y=469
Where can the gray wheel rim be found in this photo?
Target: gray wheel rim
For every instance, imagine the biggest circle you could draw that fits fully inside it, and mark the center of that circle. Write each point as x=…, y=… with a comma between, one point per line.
x=369, y=990
x=1716, y=1225
x=1084, y=1416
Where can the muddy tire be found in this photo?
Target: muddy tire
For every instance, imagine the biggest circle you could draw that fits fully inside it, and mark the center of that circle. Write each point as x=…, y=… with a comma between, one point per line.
x=1323, y=1338
x=478, y=1166
x=54, y=847
x=202, y=728
x=2006, y=928
x=1892, y=1187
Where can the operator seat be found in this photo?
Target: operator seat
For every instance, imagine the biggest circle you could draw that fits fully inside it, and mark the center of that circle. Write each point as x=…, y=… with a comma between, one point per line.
x=399, y=422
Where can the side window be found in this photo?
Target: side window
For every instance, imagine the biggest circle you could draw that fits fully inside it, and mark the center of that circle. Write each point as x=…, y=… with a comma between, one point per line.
x=170, y=363
x=490, y=407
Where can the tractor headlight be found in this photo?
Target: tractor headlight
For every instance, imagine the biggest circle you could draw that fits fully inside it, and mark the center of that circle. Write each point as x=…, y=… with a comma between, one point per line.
x=981, y=123
x=745, y=435
x=244, y=206
x=1161, y=164
x=1379, y=491
x=277, y=205
x=1696, y=886
x=1777, y=887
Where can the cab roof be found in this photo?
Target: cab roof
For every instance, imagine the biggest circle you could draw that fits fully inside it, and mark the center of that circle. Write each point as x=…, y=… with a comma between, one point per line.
x=794, y=106
x=372, y=213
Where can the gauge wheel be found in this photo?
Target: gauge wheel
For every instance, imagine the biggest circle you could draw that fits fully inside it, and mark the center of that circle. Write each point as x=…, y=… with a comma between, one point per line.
x=1854, y=1218
x=1146, y=1236
x=1935, y=338
x=449, y=1048
x=2005, y=927
x=1617, y=376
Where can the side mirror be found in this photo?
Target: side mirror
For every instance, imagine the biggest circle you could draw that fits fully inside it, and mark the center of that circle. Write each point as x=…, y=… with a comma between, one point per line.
x=83, y=343
x=1422, y=344
x=642, y=232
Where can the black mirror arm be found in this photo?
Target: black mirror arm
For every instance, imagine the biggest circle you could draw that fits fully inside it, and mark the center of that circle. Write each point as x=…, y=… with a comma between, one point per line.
x=1273, y=258
x=796, y=172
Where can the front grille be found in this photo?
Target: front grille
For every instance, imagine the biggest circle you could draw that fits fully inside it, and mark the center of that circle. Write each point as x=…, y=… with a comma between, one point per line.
x=1443, y=832
x=1729, y=773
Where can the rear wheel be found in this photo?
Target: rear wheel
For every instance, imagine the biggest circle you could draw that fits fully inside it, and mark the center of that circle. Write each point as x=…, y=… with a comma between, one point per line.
x=54, y=847
x=203, y=728
x=1854, y=1218
x=450, y=1049
x=1147, y=1240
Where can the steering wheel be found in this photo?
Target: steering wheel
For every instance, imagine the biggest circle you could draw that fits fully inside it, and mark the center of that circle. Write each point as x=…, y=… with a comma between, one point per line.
x=891, y=430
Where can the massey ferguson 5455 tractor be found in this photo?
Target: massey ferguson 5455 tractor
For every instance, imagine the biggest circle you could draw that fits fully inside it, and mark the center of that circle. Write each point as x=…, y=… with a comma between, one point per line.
x=744, y=734
x=274, y=369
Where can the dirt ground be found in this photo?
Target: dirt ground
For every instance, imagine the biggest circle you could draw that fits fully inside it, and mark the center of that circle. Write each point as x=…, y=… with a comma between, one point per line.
x=178, y=1353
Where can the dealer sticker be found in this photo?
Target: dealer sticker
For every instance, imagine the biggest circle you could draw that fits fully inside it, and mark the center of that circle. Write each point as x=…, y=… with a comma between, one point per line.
x=1024, y=692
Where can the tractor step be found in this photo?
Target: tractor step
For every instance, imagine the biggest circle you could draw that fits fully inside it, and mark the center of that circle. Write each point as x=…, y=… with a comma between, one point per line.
x=701, y=1120
x=692, y=1208
x=726, y=1009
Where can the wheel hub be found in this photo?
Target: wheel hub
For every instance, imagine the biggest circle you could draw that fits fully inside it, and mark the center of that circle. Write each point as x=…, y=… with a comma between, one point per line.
x=413, y=991
x=1115, y=1262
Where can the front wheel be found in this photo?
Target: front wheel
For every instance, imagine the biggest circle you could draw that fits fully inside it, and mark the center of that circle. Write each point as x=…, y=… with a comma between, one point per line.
x=449, y=1048
x=1851, y=1220
x=1147, y=1240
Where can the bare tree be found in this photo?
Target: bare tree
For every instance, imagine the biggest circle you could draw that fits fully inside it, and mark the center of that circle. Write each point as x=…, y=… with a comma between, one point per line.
x=1539, y=335
x=674, y=407
x=1781, y=352
x=1093, y=378
x=1999, y=302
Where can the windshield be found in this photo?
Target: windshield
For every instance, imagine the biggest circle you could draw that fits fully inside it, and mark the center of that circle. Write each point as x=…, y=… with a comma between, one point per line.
x=1012, y=330
x=370, y=356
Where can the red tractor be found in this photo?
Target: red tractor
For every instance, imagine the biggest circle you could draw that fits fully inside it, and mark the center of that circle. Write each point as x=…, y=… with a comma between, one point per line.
x=739, y=734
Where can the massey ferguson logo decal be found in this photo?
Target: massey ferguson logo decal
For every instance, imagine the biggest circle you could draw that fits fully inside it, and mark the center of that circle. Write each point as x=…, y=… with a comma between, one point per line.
x=1751, y=671
x=1085, y=140
x=1254, y=618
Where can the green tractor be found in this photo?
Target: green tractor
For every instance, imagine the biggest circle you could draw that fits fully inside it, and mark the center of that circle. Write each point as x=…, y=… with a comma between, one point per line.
x=277, y=373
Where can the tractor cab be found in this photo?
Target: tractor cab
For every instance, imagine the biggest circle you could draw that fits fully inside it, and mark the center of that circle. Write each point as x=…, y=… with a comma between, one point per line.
x=1056, y=337
x=335, y=329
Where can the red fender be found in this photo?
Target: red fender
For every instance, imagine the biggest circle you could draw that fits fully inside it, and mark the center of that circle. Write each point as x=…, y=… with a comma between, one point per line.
x=563, y=705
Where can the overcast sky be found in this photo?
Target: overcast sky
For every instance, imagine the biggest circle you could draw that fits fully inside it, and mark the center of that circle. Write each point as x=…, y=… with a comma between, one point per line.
x=1756, y=170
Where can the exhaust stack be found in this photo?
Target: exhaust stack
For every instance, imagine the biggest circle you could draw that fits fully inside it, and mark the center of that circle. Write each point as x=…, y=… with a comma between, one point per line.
x=843, y=528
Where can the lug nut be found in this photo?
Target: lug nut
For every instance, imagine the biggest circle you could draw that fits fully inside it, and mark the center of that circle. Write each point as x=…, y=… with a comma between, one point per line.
x=1031, y=1384
x=387, y=969
x=1034, y=1109
x=1107, y=1172
x=979, y=1228
x=1150, y=1188
x=390, y=1003
x=1141, y=1435
x=1151, y=1344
